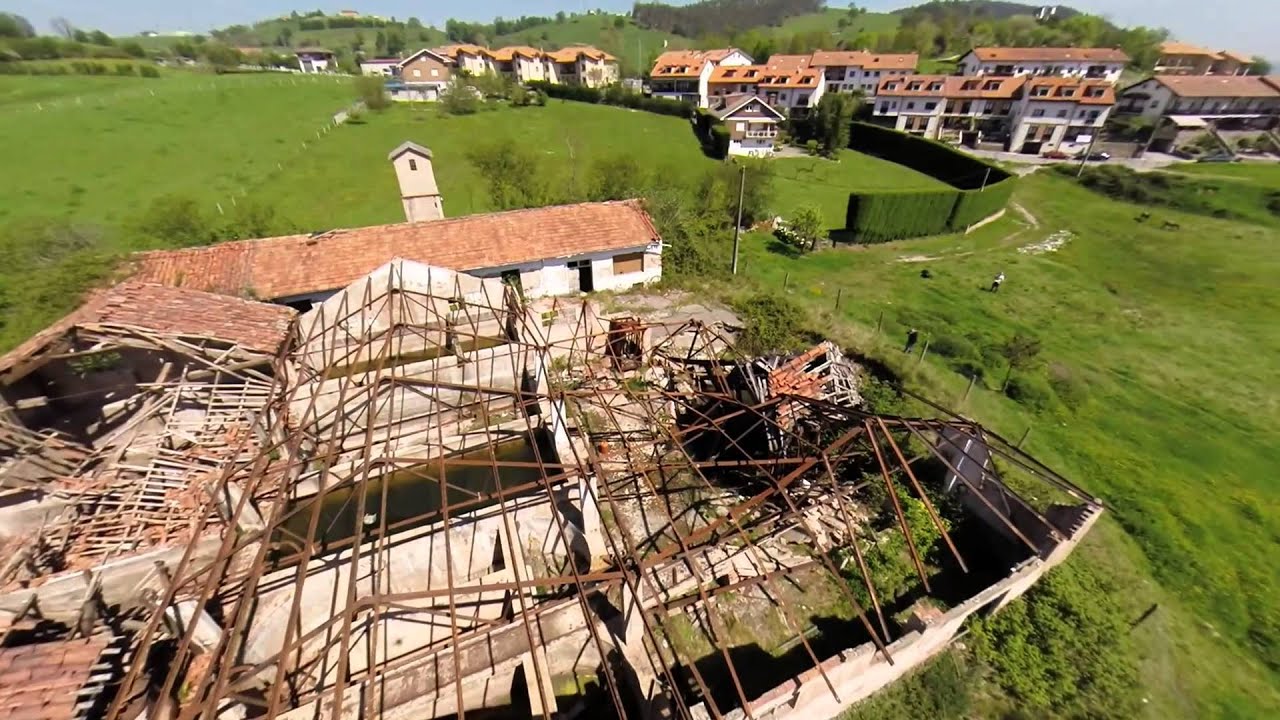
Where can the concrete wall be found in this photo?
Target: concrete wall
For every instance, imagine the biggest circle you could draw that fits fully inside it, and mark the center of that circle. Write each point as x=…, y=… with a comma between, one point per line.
x=861, y=671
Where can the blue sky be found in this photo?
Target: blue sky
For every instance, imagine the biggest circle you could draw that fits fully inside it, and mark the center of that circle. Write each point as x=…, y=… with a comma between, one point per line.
x=1251, y=26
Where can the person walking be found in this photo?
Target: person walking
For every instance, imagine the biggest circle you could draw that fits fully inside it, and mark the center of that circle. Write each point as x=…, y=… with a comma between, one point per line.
x=995, y=282
x=913, y=335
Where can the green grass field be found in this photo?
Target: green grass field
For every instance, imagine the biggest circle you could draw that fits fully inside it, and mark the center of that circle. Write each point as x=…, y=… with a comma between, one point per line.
x=102, y=147
x=829, y=20
x=1170, y=336
x=1266, y=174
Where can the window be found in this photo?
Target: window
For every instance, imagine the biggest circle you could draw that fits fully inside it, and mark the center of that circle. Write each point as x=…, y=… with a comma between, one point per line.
x=435, y=72
x=1062, y=113
x=930, y=105
x=413, y=164
x=1040, y=91
x=417, y=72
x=911, y=106
x=935, y=87
x=741, y=126
x=992, y=85
x=1038, y=112
x=628, y=263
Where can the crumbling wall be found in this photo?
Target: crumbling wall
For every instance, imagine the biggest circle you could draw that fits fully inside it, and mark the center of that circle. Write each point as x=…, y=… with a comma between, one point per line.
x=858, y=672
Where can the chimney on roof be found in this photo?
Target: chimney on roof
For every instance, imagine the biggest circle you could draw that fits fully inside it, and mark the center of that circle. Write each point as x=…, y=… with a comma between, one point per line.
x=418, y=191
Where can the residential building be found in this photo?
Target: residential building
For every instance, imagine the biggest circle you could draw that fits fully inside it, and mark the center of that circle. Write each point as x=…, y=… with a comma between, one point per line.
x=380, y=67
x=315, y=60
x=861, y=71
x=421, y=77
x=582, y=65
x=520, y=63
x=1028, y=114
x=472, y=58
x=727, y=80
x=684, y=74
x=751, y=122
x=1228, y=101
x=1090, y=63
x=1178, y=58
x=792, y=82
x=547, y=251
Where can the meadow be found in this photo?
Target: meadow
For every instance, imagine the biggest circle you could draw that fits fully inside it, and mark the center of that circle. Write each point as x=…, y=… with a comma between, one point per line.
x=1165, y=350
x=1159, y=345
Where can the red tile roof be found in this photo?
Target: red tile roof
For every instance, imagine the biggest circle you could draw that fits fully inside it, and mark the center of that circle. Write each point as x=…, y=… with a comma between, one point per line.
x=737, y=74
x=302, y=264
x=41, y=681
x=174, y=311
x=951, y=86
x=679, y=63
x=791, y=71
x=571, y=53
x=864, y=59
x=1229, y=86
x=1062, y=89
x=1047, y=54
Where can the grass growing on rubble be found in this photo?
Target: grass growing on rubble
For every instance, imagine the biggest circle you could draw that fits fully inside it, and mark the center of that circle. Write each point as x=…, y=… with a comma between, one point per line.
x=1154, y=388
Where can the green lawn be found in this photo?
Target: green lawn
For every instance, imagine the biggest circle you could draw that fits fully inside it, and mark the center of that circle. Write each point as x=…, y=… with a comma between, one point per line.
x=1172, y=339
x=826, y=185
x=1262, y=173
x=128, y=140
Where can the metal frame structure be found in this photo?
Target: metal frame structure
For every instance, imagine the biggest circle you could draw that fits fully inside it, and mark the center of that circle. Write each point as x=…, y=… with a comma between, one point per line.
x=417, y=367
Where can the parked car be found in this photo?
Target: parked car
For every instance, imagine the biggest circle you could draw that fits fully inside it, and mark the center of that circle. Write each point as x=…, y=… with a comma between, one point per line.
x=1216, y=158
x=1057, y=155
x=1094, y=156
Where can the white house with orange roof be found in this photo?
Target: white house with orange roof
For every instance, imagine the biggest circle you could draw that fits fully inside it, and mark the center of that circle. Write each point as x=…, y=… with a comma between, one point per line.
x=685, y=74
x=1179, y=58
x=792, y=82
x=1087, y=63
x=751, y=122
x=471, y=58
x=1029, y=114
x=582, y=65
x=861, y=71
x=521, y=63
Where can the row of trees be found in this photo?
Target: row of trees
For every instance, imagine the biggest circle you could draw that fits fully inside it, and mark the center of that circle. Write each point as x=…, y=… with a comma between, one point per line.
x=720, y=15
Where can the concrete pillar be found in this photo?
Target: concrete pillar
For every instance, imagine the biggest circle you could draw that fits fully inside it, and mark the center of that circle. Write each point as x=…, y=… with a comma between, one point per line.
x=207, y=631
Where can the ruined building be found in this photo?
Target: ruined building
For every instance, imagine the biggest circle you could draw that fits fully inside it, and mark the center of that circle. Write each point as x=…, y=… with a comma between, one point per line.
x=430, y=495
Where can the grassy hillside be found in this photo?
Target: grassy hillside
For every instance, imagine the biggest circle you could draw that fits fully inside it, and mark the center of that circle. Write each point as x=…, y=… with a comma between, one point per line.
x=635, y=46
x=829, y=20
x=1161, y=337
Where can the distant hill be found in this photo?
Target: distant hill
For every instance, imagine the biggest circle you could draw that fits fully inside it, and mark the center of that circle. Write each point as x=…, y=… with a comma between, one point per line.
x=984, y=10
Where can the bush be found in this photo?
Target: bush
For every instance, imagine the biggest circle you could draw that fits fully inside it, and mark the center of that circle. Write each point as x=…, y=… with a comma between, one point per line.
x=956, y=348
x=1030, y=390
x=124, y=69
x=1071, y=390
x=930, y=157
x=811, y=147
x=975, y=205
x=615, y=95
x=881, y=216
x=372, y=91
x=770, y=324
x=148, y=71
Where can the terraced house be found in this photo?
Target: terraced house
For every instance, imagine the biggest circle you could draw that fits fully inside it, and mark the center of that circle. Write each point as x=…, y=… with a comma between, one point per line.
x=861, y=71
x=1027, y=114
x=1087, y=63
x=573, y=65
x=685, y=74
x=1179, y=58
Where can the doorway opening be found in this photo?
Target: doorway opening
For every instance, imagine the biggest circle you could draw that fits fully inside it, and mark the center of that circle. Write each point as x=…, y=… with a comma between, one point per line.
x=586, y=281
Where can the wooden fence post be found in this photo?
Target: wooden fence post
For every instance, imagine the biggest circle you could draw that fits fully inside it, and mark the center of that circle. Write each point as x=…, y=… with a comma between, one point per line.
x=839, y=293
x=924, y=351
x=1023, y=439
x=968, y=389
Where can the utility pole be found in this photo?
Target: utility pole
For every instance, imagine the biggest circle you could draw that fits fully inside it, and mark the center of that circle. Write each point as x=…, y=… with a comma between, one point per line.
x=737, y=225
x=985, y=178
x=1088, y=151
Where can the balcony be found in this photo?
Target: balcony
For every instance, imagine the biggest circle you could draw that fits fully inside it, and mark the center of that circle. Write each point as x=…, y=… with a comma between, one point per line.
x=769, y=133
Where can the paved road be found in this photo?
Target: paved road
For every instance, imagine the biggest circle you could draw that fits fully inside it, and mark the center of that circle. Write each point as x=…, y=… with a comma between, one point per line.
x=1031, y=163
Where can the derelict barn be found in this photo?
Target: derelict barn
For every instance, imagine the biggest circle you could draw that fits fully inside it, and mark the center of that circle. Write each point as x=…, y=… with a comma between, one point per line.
x=428, y=496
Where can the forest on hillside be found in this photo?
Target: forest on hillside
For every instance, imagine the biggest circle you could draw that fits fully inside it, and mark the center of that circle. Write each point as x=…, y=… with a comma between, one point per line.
x=712, y=16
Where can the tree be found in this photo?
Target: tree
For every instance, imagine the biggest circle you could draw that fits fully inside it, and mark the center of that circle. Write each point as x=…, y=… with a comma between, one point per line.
x=63, y=27
x=97, y=37
x=560, y=17
x=220, y=55
x=380, y=43
x=174, y=221
x=357, y=41
x=1259, y=66
x=615, y=178
x=513, y=174
x=395, y=43
x=1020, y=351
x=286, y=36
x=459, y=98
x=372, y=91
x=15, y=26
x=133, y=49
x=830, y=122
x=414, y=23
x=806, y=226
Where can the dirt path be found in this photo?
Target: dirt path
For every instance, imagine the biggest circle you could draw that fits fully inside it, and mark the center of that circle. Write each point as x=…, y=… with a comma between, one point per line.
x=1026, y=215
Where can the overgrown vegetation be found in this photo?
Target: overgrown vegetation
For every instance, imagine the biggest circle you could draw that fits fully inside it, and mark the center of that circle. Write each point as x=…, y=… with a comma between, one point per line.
x=1215, y=197
x=771, y=324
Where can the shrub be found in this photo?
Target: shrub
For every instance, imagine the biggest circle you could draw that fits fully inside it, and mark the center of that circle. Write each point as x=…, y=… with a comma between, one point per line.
x=881, y=216
x=719, y=144
x=124, y=69
x=372, y=91
x=930, y=157
x=616, y=95
x=1030, y=390
x=811, y=147
x=1070, y=389
x=148, y=71
x=957, y=348
x=770, y=324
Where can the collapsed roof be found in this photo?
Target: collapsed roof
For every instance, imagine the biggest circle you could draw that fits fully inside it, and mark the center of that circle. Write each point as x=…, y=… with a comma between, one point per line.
x=440, y=497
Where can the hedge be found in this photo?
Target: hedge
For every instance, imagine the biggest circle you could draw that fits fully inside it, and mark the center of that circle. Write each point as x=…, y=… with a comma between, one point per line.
x=980, y=189
x=615, y=95
x=876, y=217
